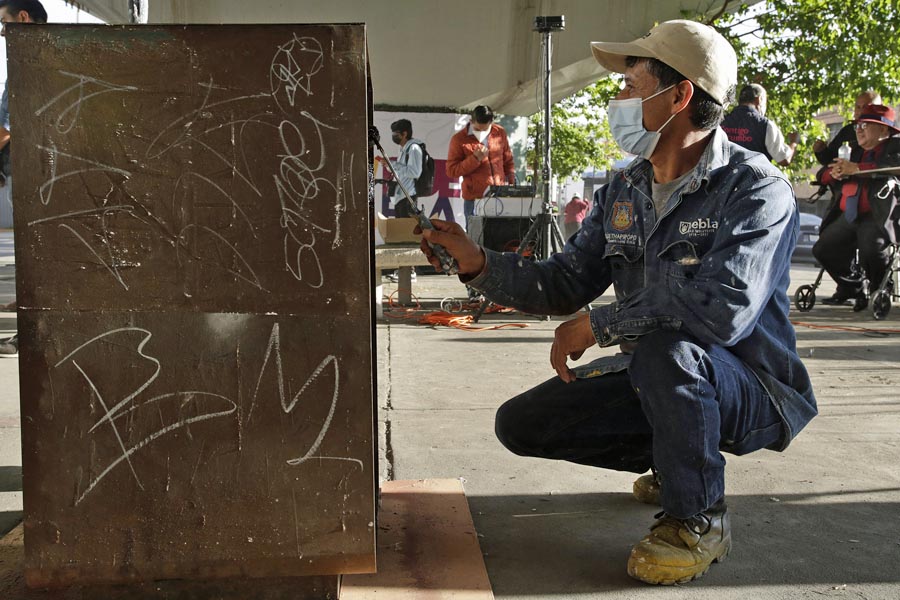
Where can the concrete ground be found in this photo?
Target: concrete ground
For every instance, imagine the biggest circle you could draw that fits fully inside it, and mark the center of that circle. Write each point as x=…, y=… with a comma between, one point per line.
x=819, y=520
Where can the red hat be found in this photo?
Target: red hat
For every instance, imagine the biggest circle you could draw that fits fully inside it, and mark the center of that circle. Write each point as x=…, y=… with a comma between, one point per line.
x=876, y=113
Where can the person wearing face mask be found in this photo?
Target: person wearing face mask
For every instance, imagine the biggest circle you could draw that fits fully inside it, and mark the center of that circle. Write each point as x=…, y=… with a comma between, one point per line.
x=748, y=126
x=857, y=220
x=696, y=237
x=480, y=154
x=408, y=166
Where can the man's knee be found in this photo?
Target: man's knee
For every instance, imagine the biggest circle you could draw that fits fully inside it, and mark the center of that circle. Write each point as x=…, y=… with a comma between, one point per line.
x=510, y=428
x=661, y=356
x=818, y=252
x=827, y=251
x=663, y=347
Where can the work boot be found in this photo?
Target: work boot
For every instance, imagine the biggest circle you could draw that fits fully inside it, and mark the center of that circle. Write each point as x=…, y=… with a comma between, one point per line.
x=646, y=489
x=679, y=550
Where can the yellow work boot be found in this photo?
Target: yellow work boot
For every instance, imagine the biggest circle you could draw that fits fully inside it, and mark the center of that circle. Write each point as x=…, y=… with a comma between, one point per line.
x=646, y=489
x=679, y=550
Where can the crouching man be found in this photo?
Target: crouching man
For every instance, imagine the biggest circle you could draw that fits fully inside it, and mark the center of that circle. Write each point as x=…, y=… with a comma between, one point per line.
x=696, y=238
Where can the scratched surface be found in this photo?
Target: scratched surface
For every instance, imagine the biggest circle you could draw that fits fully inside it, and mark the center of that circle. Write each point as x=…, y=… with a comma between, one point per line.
x=194, y=283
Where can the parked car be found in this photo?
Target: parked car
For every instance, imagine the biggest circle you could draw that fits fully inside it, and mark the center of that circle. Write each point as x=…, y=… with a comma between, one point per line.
x=809, y=235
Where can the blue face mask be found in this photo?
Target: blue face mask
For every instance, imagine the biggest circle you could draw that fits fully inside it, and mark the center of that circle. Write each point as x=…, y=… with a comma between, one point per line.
x=626, y=122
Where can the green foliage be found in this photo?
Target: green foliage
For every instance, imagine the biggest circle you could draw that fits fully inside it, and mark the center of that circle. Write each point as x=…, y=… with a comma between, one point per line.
x=580, y=136
x=810, y=55
x=813, y=55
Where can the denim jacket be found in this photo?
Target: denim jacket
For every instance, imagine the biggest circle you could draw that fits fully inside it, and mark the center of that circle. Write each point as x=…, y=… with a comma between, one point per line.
x=715, y=265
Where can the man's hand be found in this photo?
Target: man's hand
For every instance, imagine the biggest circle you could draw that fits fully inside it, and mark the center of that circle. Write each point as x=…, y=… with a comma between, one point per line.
x=451, y=236
x=819, y=145
x=480, y=153
x=841, y=169
x=571, y=339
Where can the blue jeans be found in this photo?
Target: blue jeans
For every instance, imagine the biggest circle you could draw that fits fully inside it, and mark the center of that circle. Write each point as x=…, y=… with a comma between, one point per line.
x=679, y=403
x=468, y=211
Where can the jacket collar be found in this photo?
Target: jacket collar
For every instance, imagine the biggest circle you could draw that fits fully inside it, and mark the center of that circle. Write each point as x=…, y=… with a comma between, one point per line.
x=716, y=154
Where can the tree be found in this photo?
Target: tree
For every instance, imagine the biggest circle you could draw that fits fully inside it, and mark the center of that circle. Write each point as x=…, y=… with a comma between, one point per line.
x=580, y=137
x=812, y=55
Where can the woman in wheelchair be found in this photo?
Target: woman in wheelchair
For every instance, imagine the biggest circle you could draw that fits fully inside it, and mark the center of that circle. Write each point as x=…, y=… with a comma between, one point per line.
x=857, y=220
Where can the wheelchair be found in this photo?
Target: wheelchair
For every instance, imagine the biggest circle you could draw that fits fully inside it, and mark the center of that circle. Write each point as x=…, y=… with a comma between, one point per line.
x=888, y=290
x=805, y=296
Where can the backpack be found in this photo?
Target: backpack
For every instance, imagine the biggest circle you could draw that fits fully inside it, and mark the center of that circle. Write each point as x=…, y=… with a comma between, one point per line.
x=425, y=181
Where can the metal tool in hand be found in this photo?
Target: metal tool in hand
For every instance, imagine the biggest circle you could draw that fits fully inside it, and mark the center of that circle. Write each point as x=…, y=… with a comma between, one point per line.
x=448, y=263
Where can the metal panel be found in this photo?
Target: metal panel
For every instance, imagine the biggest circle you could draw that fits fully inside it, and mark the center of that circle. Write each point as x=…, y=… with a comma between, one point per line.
x=194, y=285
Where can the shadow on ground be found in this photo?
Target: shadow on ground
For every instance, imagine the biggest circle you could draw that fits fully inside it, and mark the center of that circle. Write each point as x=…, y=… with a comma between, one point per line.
x=10, y=479
x=570, y=544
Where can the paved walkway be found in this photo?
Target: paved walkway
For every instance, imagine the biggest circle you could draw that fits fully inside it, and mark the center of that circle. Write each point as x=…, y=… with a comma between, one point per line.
x=819, y=520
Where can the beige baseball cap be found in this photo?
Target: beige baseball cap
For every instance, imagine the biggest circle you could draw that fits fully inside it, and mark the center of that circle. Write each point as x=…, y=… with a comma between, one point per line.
x=697, y=51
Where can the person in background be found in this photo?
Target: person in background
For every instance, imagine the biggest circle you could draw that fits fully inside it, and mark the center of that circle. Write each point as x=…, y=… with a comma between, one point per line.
x=861, y=213
x=480, y=154
x=826, y=154
x=14, y=11
x=748, y=126
x=575, y=211
x=408, y=166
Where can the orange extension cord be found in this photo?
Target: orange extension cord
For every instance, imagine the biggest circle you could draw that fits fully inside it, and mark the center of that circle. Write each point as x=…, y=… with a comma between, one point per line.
x=445, y=318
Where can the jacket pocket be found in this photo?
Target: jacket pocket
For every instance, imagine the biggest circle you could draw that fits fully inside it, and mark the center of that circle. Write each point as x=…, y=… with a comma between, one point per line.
x=680, y=261
x=627, y=267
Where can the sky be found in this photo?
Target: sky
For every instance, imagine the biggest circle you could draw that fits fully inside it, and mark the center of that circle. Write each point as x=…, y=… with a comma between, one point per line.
x=57, y=12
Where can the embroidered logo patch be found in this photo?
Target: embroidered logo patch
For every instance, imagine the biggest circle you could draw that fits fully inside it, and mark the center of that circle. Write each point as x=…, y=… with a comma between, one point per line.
x=622, y=216
x=697, y=227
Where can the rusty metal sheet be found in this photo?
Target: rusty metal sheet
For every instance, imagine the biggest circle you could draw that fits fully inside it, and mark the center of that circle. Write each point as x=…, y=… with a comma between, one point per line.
x=194, y=279
x=12, y=584
x=212, y=168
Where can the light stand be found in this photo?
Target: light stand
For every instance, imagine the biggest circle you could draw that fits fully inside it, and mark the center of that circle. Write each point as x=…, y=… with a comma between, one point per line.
x=544, y=229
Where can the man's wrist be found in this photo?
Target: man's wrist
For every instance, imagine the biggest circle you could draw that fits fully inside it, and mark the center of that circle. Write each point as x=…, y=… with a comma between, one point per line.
x=479, y=267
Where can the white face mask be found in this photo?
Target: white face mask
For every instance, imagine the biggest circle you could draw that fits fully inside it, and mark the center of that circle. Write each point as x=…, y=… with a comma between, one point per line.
x=626, y=122
x=481, y=135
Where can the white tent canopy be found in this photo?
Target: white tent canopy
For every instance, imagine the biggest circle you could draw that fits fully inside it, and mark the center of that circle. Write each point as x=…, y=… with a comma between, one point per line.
x=444, y=54
x=109, y=11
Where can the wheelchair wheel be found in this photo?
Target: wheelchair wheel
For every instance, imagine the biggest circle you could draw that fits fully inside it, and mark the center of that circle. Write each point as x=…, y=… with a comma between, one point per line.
x=805, y=298
x=881, y=304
